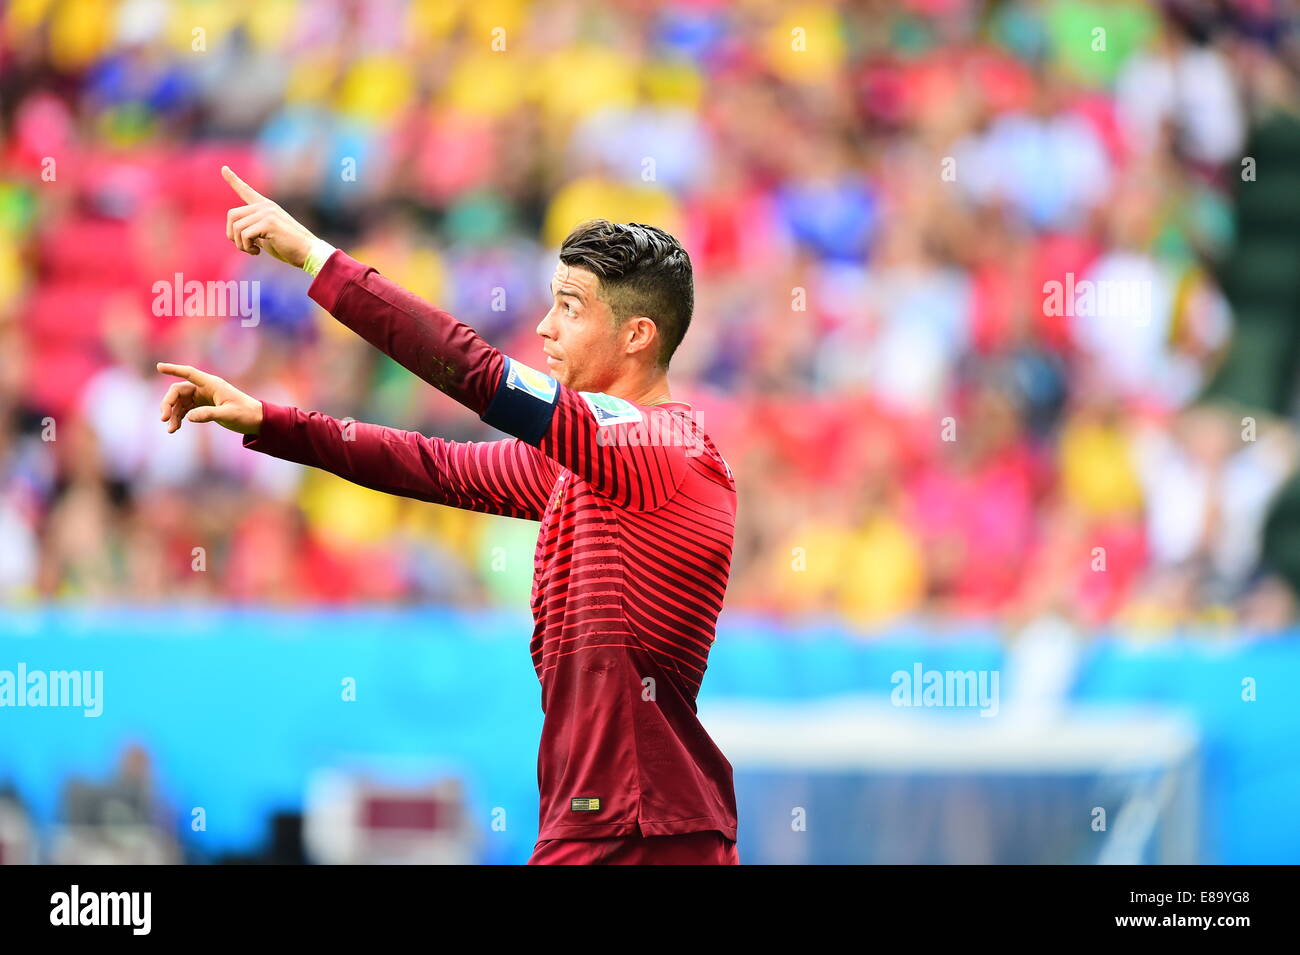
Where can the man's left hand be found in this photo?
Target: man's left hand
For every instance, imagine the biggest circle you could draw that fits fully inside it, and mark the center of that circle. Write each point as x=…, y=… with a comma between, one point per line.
x=261, y=224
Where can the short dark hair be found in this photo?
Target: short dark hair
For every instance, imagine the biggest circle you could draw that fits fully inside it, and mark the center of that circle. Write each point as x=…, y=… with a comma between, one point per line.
x=642, y=270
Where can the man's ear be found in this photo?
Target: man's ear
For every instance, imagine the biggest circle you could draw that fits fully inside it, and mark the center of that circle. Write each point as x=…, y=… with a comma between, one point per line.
x=642, y=334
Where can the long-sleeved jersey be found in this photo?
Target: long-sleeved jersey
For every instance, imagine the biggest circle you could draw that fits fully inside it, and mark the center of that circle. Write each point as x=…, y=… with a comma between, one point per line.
x=637, y=512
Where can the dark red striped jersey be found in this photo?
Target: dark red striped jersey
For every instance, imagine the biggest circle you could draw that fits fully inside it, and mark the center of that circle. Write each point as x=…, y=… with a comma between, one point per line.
x=637, y=512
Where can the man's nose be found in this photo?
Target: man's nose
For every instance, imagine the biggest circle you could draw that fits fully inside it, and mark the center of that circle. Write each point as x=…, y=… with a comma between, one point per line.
x=544, y=327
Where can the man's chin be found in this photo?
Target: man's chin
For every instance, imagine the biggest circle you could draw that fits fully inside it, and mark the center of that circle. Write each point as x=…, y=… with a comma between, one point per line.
x=568, y=375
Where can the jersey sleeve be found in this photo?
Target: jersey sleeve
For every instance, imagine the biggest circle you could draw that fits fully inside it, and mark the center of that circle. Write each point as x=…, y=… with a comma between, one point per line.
x=508, y=477
x=420, y=337
x=627, y=453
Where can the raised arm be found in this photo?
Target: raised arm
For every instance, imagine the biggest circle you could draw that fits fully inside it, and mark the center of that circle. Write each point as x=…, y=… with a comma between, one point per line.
x=445, y=352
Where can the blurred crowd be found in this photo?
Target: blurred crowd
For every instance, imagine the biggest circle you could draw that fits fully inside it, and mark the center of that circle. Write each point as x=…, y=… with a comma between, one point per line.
x=958, y=266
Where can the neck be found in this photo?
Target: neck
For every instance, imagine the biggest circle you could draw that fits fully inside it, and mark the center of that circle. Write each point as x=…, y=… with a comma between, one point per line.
x=642, y=389
x=655, y=394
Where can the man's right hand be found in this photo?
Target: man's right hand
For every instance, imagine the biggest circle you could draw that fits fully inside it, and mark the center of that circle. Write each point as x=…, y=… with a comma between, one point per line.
x=204, y=397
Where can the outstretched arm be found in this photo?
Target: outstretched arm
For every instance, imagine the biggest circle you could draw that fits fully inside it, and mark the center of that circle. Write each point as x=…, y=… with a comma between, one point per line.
x=495, y=477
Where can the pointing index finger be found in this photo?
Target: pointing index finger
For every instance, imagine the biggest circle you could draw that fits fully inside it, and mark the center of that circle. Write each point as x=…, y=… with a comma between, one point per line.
x=242, y=189
x=188, y=372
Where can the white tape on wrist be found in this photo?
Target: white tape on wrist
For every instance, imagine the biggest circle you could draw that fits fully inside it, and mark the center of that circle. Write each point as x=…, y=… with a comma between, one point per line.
x=320, y=251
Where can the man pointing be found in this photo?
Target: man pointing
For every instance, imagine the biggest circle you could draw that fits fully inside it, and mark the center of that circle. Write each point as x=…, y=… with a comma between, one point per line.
x=637, y=511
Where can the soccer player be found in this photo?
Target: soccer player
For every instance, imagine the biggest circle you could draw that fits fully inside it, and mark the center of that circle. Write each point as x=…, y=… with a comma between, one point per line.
x=637, y=512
